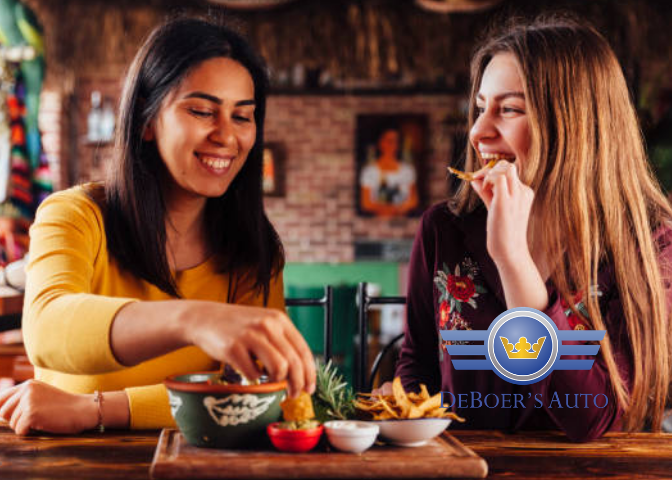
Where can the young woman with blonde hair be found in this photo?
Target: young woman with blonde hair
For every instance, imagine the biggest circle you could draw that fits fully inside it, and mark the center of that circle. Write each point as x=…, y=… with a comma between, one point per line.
x=569, y=221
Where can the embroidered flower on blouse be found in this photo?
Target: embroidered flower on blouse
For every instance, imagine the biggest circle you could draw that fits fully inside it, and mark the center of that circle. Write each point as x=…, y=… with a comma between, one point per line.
x=444, y=315
x=451, y=321
x=455, y=322
x=462, y=288
x=455, y=289
x=458, y=287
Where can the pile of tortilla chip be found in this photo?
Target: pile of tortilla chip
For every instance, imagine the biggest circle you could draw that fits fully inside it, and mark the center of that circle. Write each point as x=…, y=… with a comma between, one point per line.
x=298, y=413
x=401, y=405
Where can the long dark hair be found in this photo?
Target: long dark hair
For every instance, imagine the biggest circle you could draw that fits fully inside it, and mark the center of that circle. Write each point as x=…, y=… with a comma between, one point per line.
x=242, y=238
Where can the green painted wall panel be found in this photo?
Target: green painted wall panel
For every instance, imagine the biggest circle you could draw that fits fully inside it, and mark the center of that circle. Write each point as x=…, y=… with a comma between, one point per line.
x=307, y=280
x=385, y=274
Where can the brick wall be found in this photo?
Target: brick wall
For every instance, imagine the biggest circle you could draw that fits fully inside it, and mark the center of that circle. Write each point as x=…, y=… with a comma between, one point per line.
x=317, y=217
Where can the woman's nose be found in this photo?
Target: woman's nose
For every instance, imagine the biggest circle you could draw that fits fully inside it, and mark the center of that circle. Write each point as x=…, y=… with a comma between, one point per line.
x=223, y=133
x=483, y=129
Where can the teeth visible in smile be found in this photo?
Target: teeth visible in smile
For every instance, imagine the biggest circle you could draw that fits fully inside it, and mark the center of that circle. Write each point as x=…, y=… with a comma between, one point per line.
x=214, y=162
x=497, y=156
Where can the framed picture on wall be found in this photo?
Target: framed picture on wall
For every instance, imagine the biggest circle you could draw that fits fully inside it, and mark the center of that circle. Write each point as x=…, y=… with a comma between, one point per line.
x=390, y=158
x=273, y=177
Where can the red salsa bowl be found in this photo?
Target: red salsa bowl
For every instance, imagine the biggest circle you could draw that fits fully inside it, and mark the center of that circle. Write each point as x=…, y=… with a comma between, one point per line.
x=296, y=441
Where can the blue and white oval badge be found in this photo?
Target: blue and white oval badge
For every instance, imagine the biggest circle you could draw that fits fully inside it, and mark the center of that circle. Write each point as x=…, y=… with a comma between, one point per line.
x=522, y=346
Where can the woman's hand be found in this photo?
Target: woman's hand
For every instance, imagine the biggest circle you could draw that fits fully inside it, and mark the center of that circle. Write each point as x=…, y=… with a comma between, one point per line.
x=385, y=389
x=34, y=405
x=242, y=334
x=509, y=203
x=234, y=334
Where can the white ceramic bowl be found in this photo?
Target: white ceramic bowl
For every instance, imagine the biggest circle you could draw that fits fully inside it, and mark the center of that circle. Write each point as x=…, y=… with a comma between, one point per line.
x=350, y=435
x=412, y=433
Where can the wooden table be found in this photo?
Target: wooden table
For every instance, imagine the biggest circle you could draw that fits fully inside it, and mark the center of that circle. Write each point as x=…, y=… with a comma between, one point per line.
x=14, y=363
x=128, y=455
x=550, y=455
x=125, y=455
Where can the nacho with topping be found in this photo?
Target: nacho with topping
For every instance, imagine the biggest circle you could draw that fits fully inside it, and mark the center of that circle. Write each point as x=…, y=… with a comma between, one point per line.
x=298, y=413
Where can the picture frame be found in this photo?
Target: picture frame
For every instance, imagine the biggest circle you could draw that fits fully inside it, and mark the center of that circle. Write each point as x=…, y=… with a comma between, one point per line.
x=273, y=169
x=390, y=153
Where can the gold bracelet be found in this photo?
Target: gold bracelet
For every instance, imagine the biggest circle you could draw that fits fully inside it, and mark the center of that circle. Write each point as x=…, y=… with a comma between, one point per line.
x=98, y=398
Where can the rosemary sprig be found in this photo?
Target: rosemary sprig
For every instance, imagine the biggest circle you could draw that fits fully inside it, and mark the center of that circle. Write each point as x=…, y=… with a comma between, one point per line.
x=334, y=398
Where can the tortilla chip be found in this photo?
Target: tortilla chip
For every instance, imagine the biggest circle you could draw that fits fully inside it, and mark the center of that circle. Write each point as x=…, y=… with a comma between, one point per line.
x=297, y=409
x=469, y=176
x=402, y=405
x=400, y=397
x=431, y=403
x=388, y=408
x=424, y=394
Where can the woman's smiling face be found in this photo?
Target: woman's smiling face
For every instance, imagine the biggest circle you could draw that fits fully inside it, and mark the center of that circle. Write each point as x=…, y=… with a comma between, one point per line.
x=501, y=130
x=206, y=128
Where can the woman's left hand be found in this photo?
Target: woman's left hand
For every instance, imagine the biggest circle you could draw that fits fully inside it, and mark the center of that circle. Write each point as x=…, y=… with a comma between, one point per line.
x=509, y=202
x=35, y=405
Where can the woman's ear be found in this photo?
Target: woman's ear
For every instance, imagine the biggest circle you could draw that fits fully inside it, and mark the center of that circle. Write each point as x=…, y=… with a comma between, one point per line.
x=148, y=134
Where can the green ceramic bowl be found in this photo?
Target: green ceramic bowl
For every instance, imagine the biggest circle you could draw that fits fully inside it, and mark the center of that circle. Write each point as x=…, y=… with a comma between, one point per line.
x=223, y=416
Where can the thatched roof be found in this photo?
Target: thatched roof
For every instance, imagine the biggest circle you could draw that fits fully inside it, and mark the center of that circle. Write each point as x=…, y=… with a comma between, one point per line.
x=370, y=42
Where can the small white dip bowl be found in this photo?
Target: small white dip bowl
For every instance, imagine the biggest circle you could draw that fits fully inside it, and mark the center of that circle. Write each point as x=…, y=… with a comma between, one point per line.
x=351, y=435
x=412, y=433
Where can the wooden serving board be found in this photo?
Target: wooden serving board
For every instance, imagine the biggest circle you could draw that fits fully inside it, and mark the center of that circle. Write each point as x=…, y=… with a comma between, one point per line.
x=442, y=457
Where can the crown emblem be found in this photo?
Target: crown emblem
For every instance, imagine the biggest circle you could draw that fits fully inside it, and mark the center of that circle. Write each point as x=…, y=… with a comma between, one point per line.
x=523, y=348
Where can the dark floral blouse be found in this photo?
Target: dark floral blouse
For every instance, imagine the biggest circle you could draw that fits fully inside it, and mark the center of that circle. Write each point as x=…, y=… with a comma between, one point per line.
x=454, y=284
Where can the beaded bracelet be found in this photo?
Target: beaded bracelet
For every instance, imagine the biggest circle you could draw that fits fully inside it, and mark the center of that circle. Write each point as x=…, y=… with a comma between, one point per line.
x=98, y=398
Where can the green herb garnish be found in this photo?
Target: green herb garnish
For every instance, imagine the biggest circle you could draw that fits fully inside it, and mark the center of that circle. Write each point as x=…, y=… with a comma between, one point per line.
x=334, y=398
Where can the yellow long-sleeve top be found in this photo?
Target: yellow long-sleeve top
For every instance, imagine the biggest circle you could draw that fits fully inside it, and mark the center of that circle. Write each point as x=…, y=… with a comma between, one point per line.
x=74, y=290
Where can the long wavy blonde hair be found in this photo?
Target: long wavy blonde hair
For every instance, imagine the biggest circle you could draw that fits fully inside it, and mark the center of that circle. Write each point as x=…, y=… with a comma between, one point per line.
x=596, y=199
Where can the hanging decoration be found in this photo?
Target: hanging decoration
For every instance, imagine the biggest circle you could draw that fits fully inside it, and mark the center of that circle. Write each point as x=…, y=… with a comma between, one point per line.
x=25, y=179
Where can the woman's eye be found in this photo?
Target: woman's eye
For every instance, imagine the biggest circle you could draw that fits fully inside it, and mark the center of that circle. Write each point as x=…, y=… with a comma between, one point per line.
x=512, y=110
x=480, y=110
x=200, y=113
x=242, y=118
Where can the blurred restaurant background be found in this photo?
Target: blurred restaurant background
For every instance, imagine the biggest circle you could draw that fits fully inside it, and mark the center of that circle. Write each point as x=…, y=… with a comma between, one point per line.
x=343, y=73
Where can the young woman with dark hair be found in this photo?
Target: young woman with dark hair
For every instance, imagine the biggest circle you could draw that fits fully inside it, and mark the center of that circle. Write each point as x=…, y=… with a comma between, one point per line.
x=171, y=265
x=570, y=221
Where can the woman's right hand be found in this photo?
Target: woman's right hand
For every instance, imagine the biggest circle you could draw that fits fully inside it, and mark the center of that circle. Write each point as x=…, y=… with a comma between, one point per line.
x=384, y=390
x=509, y=203
x=243, y=333
x=233, y=334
